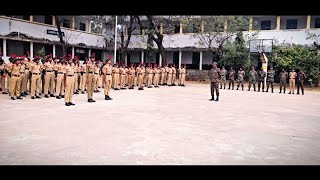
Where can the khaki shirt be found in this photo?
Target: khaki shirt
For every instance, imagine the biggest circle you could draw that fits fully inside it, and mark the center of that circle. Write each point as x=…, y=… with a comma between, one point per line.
x=90, y=67
x=48, y=66
x=15, y=69
x=69, y=70
x=292, y=75
x=36, y=68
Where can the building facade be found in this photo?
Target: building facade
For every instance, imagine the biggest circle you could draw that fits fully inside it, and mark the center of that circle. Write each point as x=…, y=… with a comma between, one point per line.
x=21, y=34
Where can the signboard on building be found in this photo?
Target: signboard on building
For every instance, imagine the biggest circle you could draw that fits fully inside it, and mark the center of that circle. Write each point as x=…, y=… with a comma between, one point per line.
x=53, y=32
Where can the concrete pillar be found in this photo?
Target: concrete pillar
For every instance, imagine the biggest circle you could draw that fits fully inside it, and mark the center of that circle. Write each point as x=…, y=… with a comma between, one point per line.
x=73, y=22
x=278, y=23
x=308, y=22
x=250, y=23
x=31, y=49
x=200, y=63
x=31, y=18
x=126, y=60
x=89, y=52
x=202, y=26
x=181, y=27
x=53, y=21
x=4, y=45
x=54, y=50
x=160, y=59
x=142, y=56
x=72, y=51
x=180, y=55
x=89, y=25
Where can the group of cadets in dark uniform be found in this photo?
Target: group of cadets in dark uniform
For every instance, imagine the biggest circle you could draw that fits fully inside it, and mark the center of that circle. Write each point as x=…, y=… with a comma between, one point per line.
x=63, y=77
x=218, y=76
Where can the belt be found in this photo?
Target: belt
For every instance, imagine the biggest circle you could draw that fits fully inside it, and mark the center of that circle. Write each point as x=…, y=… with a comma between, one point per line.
x=123, y=74
x=130, y=74
x=22, y=72
x=15, y=75
x=60, y=73
x=48, y=71
x=91, y=72
x=26, y=68
x=36, y=73
x=96, y=73
x=70, y=75
x=140, y=73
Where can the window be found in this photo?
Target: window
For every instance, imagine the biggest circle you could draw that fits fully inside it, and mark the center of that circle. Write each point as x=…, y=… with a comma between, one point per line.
x=265, y=25
x=26, y=18
x=82, y=26
x=66, y=23
x=317, y=23
x=292, y=23
x=177, y=28
x=48, y=20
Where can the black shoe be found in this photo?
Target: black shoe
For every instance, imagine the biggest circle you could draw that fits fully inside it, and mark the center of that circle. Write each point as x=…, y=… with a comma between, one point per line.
x=38, y=97
x=51, y=95
x=237, y=89
x=23, y=95
x=93, y=100
x=46, y=96
x=212, y=99
x=302, y=93
x=75, y=93
x=67, y=104
x=71, y=104
x=58, y=97
x=217, y=98
x=90, y=100
x=94, y=91
x=5, y=93
x=280, y=92
x=19, y=97
x=220, y=87
x=262, y=90
x=109, y=98
x=12, y=98
x=149, y=87
x=298, y=93
x=139, y=88
x=98, y=91
x=82, y=92
x=293, y=93
x=62, y=96
x=254, y=90
x=248, y=89
x=32, y=97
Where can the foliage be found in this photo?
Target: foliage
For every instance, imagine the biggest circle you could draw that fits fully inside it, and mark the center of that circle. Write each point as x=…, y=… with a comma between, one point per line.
x=42, y=52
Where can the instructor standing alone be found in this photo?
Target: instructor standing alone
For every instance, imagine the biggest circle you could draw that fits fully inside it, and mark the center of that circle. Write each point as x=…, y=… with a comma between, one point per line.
x=214, y=75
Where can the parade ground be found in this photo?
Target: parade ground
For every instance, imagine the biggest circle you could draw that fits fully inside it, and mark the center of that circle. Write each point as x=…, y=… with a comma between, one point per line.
x=163, y=126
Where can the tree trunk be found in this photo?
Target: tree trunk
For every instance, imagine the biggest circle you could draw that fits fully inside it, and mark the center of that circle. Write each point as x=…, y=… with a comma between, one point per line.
x=163, y=54
x=63, y=44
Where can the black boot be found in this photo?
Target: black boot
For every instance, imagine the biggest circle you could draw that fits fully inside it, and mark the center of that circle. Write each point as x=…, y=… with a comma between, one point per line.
x=217, y=98
x=62, y=96
x=67, y=104
x=46, y=96
x=280, y=90
x=212, y=98
x=109, y=98
x=12, y=98
x=58, y=97
x=51, y=95
x=19, y=97
x=71, y=104
x=32, y=97
x=272, y=90
x=38, y=97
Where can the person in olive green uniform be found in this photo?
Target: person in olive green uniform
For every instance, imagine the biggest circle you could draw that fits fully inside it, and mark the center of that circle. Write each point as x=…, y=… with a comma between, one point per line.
x=223, y=78
x=241, y=74
x=261, y=77
x=252, y=79
x=300, y=80
x=214, y=75
x=232, y=74
x=283, y=80
x=270, y=79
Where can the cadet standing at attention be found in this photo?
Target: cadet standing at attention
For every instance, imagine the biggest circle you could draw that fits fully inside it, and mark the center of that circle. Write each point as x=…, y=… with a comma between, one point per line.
x=69, y=83
x=214, y=75
x=292, y=80
x=252, y=79
x=223, y=77
x=48, y=77
x=107, y=73
x=301, y=78
x=232, y=74
x=261, y=77
x=174, y=75
x=90, y=78
x=241, y=74
x=122, y=72
x=60, y=68
x=15, y=79
x=35, y=70
x=283, y=80
x=270, y=78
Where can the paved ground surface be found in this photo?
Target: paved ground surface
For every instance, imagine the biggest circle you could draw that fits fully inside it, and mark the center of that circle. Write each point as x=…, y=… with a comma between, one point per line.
x=168, y=125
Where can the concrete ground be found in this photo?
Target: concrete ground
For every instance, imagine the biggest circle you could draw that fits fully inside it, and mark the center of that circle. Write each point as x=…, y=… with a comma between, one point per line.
x=168, y=125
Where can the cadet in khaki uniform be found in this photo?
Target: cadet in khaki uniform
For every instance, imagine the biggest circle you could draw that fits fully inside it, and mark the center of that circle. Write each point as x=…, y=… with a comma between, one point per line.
x=116, y=77
x=107, y=72
x=155, y=68
x=214, y=75
x=96, y=76
x=149, y=73
x=69, y=83
x=283, y=80
x=76, y=75
x=3, y=76
x=163, y=75
x=90, y=78
x=166, y=75
x=126, y=70
x=22, y=77
x=146, y=75
x=139, y=71
x=83, y=76
x=35, y=70
x=49, y=77
x=174, y=75
x=131, y=77
x=113, y=76
x=169, y=80
x=26, y=76
x=122, y=72
x=157, y=72
x=9, y=66
x=15, y=79
x=292, y=80
x=182, y=75
x=223, y=77
x=60, y=68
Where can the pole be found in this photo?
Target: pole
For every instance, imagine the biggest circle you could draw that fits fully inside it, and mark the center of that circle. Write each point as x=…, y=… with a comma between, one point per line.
x=115, y=42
